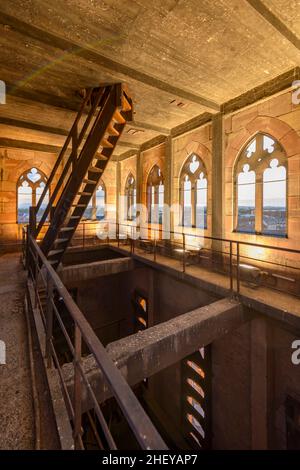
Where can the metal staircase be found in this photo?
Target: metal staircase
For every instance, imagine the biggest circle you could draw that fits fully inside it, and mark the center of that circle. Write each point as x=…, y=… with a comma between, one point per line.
x=92, y=139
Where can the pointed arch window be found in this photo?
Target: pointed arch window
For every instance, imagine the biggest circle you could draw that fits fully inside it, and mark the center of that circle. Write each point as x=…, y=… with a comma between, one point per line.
x=130, y=198
x=155, y=195
x=193, y=193
x=96, y=209
x=29, y=190
x=100, y=201
x=261, y=188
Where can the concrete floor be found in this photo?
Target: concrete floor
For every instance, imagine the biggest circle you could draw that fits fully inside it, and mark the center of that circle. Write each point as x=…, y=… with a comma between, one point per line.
x=16, y=411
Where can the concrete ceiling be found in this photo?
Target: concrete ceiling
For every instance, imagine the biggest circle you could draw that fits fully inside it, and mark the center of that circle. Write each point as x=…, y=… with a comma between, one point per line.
x=202, y=53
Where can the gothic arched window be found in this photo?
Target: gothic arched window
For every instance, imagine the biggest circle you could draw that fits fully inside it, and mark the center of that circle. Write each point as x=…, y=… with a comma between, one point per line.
x=193, y=193
x=96, y=206
x=261, y=188
x=155, y=195
x=29, y=190
x=130, y=198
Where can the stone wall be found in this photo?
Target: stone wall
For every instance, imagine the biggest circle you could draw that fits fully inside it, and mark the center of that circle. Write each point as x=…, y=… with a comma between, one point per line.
x=279, y=118
x=127, y=167
x=200, y=143
x=14, y=162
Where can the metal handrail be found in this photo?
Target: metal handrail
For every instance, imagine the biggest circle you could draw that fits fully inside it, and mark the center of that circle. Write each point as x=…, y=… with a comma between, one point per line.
x=196, y=235
x=234, y=258
x=140, y=424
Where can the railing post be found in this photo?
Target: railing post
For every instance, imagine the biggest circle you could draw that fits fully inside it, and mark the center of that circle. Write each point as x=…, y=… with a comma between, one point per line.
x=27, y=251
x=154, y=251
x=230, y=266
x=32, y=221
x=118, y=234
x=238, y=267
x=49, y=320
x=36, y=275
x=132, y=241
x=183, y=254
x=77, y=391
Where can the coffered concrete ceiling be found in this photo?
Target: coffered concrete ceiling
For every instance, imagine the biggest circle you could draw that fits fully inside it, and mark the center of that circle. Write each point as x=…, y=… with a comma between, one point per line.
x=180, y=58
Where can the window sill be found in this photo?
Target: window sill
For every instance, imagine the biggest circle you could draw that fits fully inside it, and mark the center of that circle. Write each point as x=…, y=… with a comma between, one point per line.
x=192, y=226
x=260, y=234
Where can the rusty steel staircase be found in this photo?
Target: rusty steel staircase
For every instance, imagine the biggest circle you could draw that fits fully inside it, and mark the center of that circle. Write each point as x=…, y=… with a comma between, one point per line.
x=92, y=139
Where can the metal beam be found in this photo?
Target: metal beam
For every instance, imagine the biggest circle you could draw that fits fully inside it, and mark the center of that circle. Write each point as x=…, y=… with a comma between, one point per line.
x=103, y=61
x=271, y=18
x=144, y=354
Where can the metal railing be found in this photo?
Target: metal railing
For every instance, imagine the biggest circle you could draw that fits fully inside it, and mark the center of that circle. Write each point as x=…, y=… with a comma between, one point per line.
x=241, y=263
x=53, y=300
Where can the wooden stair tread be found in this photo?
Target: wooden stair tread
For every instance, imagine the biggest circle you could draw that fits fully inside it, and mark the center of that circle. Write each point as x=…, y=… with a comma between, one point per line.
x=55, y=252
x=95, y=169
x=111, y=130
x=106, y=144
x=61, y=240
x=101, y=157
x=88, y=181
x=66, y=229
x=117, y=117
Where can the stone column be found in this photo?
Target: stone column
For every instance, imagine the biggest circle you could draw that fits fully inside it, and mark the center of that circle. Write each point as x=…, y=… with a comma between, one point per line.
x=217, y=224
x=168, y=179
x=139, y=188
x=217, y=228
x=118, y=192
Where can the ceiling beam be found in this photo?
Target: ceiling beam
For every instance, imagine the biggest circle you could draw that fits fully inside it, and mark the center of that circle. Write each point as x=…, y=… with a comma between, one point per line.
x=160, y=139
x=271, y=87
x=129, y=145
x=24, y=144
x=50, y=130
x=271, y=18
x=191, y=125
x=32, y=126
x=109, y=64
x=124, y=156
x=44, y=98
x=148, y=127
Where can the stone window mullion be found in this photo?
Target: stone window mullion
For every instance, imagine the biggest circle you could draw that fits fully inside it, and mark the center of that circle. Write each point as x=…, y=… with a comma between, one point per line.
x=193, y=202
x=94, y=206
x=258, y=202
